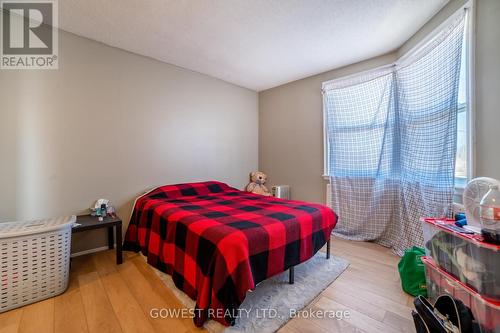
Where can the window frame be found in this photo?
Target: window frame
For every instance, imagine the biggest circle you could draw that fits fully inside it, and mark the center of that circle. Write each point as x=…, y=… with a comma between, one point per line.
x=470, y=95
x=461, y=181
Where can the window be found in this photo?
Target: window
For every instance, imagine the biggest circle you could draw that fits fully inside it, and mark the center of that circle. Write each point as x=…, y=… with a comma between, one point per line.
x=391, y=139
x=464, y=154
x=462, y=172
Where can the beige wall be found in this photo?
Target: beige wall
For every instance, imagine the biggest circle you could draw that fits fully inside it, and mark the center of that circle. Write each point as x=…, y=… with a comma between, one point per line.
x=112, y=124
x=291, y=124
x=488, y=88
x=291, y=131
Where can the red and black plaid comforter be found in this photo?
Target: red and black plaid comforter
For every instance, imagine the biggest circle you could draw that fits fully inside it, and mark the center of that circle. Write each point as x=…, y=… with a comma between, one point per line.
x=218, y=242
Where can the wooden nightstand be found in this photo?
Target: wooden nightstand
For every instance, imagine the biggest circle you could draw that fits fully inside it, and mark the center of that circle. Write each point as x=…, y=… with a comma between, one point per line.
x=88, y=222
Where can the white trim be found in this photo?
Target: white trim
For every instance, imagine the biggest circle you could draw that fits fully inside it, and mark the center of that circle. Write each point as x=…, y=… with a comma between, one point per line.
x=326, y=145
x=471, y=91
x=89, y=251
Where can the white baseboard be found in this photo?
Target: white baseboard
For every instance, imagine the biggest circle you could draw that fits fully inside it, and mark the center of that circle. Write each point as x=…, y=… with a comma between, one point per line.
x=81, y=253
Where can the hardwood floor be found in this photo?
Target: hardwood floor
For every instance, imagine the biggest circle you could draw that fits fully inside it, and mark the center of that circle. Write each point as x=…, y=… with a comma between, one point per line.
x=103, y=297
x=369, y=289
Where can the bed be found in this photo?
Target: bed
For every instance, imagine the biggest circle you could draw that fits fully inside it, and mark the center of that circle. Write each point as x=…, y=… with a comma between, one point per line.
x=218, y=242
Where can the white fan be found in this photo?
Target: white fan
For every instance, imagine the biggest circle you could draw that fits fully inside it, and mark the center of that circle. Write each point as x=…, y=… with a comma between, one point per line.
x=474, y=191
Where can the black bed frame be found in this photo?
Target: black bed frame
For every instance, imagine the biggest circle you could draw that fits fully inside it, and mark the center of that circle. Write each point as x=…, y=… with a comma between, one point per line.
x=291, y=278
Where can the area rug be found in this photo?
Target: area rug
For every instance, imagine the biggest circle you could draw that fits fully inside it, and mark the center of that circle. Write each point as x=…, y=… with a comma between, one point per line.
x=311, y=278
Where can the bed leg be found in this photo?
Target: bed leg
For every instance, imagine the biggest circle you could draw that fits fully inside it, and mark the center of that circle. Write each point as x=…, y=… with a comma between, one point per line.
x=328, y=248
x=291, y=277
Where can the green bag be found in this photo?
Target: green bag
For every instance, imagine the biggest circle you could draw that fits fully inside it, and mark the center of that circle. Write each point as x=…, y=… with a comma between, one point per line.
x=412, y=272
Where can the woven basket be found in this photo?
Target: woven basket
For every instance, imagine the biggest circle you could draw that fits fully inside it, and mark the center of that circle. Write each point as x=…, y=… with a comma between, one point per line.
x=34, y=260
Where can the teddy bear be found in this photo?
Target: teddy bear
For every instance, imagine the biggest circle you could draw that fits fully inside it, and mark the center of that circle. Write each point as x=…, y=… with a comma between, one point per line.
x=256, y=185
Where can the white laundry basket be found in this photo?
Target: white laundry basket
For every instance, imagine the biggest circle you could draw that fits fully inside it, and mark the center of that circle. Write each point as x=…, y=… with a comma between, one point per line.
x=34, y=260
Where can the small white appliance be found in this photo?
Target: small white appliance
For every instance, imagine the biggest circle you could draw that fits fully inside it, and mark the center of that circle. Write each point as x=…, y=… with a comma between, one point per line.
x=281, y=191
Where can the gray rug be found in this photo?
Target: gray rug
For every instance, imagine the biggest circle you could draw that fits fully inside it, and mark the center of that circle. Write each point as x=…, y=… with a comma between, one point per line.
x=311, y=278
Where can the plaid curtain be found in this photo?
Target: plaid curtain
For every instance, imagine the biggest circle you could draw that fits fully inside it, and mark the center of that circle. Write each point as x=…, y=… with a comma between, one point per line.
x=391, y=140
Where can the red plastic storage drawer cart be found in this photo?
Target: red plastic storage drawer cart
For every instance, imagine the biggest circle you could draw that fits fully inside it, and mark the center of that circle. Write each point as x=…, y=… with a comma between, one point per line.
x=486, y=312
x=464, y=256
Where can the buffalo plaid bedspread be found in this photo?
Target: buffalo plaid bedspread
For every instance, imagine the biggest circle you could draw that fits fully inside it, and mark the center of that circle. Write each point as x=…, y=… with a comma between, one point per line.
x=218, y=242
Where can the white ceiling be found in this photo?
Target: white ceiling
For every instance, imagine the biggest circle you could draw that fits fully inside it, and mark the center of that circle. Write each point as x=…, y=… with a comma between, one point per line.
x=256, y=44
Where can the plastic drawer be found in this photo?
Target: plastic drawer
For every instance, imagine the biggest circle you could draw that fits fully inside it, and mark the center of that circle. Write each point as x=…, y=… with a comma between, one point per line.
x=486, y=312
x=465, y=256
